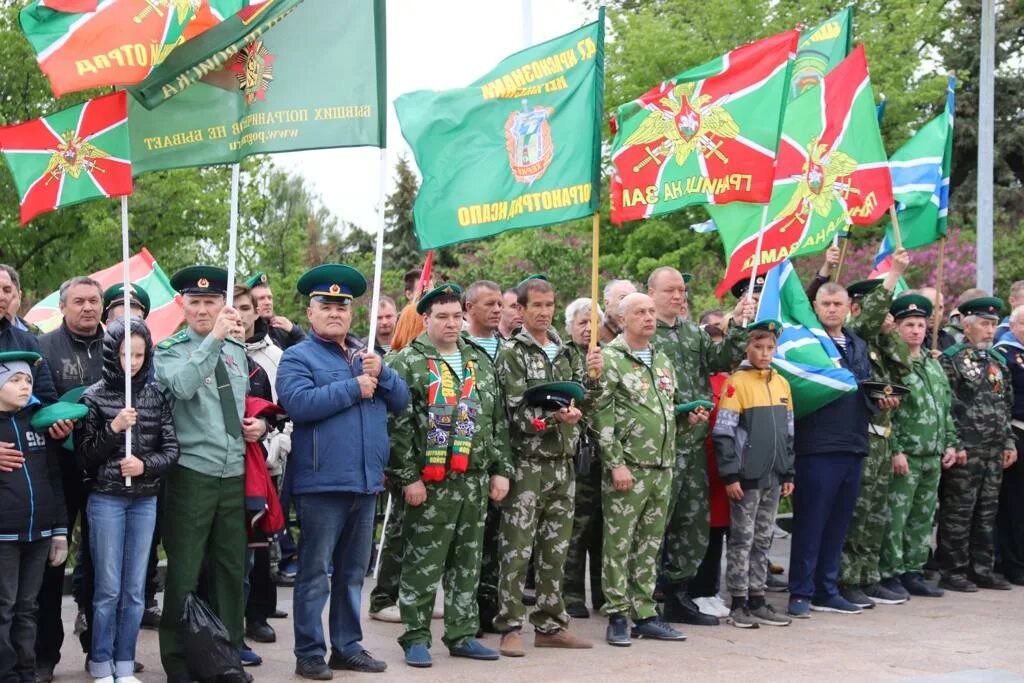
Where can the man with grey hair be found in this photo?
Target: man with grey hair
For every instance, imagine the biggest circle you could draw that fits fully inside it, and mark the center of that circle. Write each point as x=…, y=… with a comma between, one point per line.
x=1010, y=520
x=1015, y=299
x=614, y=292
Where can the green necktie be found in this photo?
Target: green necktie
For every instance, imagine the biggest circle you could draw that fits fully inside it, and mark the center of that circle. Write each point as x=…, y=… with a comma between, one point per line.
x=227, y=400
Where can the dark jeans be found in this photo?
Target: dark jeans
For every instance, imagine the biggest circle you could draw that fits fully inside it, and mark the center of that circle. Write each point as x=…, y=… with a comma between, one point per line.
x=261, y=591
x=21, y=573
x=1010, y=520
x=153, y=585
x=708, y=578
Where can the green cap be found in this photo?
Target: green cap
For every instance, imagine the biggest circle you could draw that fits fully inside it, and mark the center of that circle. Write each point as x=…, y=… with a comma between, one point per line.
x=740, y=288
x=201, y=280
x=426, y=299
x=332, y=282
x=115, y=295
x=554, y=395
x=13, y=362
x=911, y=306
x=859, y=290
x=257, y=280
x=768, y=325
x=73, y=395
x=535, y=276
x=685, y=408
x=989, y=307
x=29, y=357
x=50, y=415
x=879, y=390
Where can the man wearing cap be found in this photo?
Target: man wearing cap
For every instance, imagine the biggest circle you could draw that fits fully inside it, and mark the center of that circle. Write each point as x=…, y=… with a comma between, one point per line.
x=537, y=515
x=982, y=405
x=282, y=331
x=695, y=358
x=923, y=444
x=635, y=421
x=450, y=453
x=338, y=395
x=205, y=369
x=614, y=292
x=113, y=302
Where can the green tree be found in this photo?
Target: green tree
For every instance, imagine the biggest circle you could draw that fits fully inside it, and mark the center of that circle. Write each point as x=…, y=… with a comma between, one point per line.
x=402, y=246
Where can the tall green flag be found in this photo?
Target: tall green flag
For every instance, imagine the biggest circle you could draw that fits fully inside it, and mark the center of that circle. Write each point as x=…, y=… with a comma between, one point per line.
x=519, y=148
x=293, y=87
x=820, y=50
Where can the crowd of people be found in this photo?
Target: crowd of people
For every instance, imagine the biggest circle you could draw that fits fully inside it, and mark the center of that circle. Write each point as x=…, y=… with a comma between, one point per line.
x=513, y=463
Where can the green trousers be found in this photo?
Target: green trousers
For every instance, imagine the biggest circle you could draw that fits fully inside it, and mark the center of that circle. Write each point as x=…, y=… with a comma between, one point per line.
x=203, y=527
x=634, y=525
x=863, y=543
x=689, y=524
x=912, y=499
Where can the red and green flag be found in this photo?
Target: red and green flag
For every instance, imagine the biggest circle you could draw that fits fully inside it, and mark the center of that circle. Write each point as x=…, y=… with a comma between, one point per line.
x=708, y=136
x=75, y=155
x=832, y=172
x=821, y=49
x=82, y=44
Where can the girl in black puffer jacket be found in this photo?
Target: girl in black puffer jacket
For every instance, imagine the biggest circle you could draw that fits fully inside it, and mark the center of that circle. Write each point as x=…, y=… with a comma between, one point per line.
x=122, y=515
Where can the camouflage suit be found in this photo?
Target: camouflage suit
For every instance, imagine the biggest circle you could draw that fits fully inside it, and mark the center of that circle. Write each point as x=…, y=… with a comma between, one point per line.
x=695, y=358
x=922, y=430
x=635, y=421
x=982, y=404
x=536, y=517
x=890, y=360
x=444, y=535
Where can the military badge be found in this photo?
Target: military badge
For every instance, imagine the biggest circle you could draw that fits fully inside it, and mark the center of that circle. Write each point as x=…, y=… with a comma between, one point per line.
x=528, y=142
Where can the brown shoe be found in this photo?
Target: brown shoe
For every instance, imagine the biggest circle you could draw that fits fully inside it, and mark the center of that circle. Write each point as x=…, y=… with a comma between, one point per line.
x=511, y=645
x=561, y=639
x=775, y=568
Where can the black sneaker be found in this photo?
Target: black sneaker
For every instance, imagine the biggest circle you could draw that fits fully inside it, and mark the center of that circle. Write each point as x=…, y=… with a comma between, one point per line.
x=260, y=632
x=993, y=581
x=883, y=596
x=577, y=610
x=313, y=668
x=655, y=629
x=363, y=662
x=857, y=596
x=958, y=583
x=617, y=633
x=917, y=586
x=896, y=586
x=44, y=671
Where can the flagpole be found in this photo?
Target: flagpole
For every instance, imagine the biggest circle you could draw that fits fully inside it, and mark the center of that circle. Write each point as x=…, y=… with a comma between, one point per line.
x=939, y=299
x=233, y=235
x=842, y=255
x=126, y=351
x=378, y=259
x=594, y=273
x=757, y=258
x=895, y=227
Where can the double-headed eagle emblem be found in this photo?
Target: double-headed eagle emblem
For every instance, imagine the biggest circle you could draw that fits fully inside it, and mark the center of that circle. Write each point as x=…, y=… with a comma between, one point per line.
x=684, y=125
x=819, y=183
x=73, y=156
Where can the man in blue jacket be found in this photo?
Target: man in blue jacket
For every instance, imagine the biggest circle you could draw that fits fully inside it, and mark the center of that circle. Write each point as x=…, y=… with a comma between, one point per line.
x=338, y=394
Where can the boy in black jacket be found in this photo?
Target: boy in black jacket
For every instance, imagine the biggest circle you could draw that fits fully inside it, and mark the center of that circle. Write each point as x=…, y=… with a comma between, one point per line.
x=33, y=526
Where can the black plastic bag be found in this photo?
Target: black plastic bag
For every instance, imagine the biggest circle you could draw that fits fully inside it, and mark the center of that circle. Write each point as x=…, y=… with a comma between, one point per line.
x=209, y=655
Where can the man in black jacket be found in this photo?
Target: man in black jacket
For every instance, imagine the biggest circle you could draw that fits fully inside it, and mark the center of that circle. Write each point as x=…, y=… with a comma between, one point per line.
x=282, y=331
x=14, y=339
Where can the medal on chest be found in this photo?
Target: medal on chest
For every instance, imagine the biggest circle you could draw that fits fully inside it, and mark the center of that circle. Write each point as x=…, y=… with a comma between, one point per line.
x=664, y=381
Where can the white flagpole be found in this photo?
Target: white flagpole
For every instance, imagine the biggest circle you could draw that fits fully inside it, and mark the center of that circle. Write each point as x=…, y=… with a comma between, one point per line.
x=378, y=260
x=232, y=235
x=127, y=349
x=757, y=258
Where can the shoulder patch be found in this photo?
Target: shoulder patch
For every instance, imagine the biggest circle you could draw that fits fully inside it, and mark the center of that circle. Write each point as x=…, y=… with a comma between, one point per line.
x=234, y=341
x=954, y=349
x=176, y=338
x=995, y=353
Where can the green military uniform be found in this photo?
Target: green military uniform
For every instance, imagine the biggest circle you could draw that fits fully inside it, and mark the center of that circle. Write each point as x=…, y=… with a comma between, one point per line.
x=539, y=506
x=890, y=361
x=204, y=502
x=635, y=421
x=695, y=358
x=444, y=536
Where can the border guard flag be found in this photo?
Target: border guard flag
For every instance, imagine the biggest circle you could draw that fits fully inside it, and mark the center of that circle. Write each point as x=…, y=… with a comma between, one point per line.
x=821, y=49
x=519, y=148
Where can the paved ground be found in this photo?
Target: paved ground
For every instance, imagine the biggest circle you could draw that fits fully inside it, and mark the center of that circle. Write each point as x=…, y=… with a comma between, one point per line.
x=958, y=638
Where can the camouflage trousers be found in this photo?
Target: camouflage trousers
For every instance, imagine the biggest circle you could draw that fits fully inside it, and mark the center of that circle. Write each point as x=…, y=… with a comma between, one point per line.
x=912, y=499
x=863, y=543
x=967, y=512
x=487, y=591
x=634, y=525
x=385, y=593
x=443, y=541
x=751, y=525
x=689, y=523
x=536, y=518
x=585, y=542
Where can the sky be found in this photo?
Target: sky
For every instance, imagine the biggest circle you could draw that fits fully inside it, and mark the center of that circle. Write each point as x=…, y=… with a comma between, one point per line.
x=432, y=45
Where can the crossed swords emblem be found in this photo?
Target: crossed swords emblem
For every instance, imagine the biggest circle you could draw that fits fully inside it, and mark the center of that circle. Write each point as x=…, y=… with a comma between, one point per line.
x=660, y=154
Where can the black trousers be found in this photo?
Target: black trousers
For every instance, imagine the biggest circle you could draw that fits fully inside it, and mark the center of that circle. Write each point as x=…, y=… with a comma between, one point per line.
x=708, y=578
x=21, y=573
x=1010, y=518
x=262, y=600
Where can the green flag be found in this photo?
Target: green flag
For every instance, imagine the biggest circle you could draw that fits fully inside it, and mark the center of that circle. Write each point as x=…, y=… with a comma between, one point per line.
x=820, y=50
x=292, y=88
x=518, y=148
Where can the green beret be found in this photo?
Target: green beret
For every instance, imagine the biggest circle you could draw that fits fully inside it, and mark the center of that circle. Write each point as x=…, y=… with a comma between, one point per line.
x=740, y=288
x=554, y=395
x=446, y=288
x=115, y=295
x=535, y=276
x=768, y=325
x=45, y=418
x=73, y=395
x=201, y=280
x=858, y=290
x=911, y=306
x=29, y=357
x=686, y=408
x=989, y=307
x=332, y=282
x=879, y=390
x=257, y=280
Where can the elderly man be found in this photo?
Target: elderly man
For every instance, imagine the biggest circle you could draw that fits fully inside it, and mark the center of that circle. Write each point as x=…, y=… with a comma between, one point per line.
x=635, y=421
x=511, y=314
x=338, y=395
x=695, y=358
x=282, y=331
x=1015, y=299
x=614, y=292
x=982, y=408
x=1010, y=521
x=205, y=369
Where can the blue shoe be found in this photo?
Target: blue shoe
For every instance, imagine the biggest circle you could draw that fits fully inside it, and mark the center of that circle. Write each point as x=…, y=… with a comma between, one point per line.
x=249, y=658
x=836, y=604
x=474, y=649
x=799, y=608
x=418, y=655
x=289, y=569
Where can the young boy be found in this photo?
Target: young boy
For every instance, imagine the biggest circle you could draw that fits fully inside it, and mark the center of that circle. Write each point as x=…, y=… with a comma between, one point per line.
x=753, y=439
x=33, y=526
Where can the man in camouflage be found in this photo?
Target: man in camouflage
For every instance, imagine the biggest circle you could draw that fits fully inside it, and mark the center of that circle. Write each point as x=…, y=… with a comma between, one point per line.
x=923, y=444
x=537, y=516
x=695, y=358
x=454, y=406
x=982, y=402
x=635, y=421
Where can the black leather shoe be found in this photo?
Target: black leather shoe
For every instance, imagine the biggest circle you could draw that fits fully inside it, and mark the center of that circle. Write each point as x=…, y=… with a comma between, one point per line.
x=679, y=609
x=279, y=614
x=958, y=583
x=1015, y=579
x=916, y=585
x=993, y=581
x=313, y=668
x=617, y=633
x=577, y=610
x=260, y=631
x=363, y=662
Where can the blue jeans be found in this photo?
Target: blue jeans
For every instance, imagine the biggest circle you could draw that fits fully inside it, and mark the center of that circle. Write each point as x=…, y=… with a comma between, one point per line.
x=336, y=528
x=120, y=533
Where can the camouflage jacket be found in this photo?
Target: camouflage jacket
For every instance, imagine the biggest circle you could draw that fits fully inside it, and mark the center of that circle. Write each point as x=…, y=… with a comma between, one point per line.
x=889, y=354
x=408, y=429
x=635, y=417
x=923, y=426
x=522, y=363
x=982, y=396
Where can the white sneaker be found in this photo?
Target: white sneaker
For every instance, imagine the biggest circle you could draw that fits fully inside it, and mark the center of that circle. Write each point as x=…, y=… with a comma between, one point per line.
x=389, y=614
x=105, y=679
x=720, y=605
x=127, y=679
x=706, y=606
